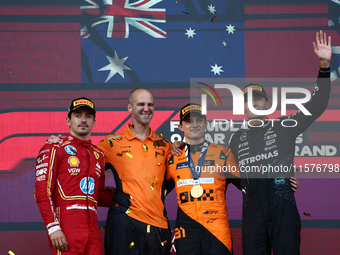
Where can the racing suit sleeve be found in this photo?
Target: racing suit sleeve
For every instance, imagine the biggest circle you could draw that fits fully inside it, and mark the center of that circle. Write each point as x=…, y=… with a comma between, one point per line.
x=169, y=182
x=316, y=106
x=45, y=183
x=233, y=174
x=105, y=196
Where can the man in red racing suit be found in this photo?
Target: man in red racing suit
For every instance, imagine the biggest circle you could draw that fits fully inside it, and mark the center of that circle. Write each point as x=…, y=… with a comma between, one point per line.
x=70, y=184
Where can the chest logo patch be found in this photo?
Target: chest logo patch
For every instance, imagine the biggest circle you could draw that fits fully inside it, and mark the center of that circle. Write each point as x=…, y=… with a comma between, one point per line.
x=96, y=155
x=87, y=187
x=73, y=161
x=71, y=150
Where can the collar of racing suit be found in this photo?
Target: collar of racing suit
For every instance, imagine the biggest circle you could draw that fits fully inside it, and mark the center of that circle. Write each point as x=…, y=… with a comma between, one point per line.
x=84, y=143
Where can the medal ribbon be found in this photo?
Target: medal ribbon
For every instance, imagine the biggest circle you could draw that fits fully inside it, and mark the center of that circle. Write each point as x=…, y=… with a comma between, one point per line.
x=196, y=174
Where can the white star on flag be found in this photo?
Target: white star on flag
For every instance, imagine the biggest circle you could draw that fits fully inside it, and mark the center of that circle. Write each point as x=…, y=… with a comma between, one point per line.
x=211, y=9
x=216, y=69
x=230, y=29
x=190, y=32
x=116, y=66
x=224, y=43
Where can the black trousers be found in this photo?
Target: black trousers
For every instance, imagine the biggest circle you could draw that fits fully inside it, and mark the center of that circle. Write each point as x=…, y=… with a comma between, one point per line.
x=127, y=236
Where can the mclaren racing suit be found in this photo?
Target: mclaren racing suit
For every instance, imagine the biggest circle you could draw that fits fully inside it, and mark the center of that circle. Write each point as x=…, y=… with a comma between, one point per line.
x=202, y=225
x=69, y=184
x=265, y=155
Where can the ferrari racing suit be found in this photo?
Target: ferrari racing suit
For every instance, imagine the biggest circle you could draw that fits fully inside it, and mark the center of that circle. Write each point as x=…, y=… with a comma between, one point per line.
x=70, y=183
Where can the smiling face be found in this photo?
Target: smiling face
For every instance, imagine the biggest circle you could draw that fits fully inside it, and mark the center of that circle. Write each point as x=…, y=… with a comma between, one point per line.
x=142, y=108
x=81, y=123
x=259, y=103
x=193, y=128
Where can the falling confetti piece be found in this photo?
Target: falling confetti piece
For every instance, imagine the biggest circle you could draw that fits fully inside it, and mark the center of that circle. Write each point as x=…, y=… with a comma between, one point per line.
x=307, y=214
x=164, y=242
x=148, y=228
x=152, y=186
x=131, y=197
x=213, y=19
x=10, y=252
x=155, y=179
x=74, y=151
x=129, y=155
x=128, y=211
x=165, y=192
x=161, y=135
x=116, y=205
x=179, y=179
x=131, y=245
x=177, y=2
x=145, y=148
x=186, y=13
x=10, y=71
x=119, y=154
x=159, y=164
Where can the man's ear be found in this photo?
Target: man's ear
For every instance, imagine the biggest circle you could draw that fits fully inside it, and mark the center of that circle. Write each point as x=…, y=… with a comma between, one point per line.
x=68, y=121
x=129, y=107
x=180, y=127
x=268, y=104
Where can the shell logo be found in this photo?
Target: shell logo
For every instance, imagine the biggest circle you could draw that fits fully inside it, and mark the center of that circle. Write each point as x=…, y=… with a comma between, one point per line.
x=73, y=161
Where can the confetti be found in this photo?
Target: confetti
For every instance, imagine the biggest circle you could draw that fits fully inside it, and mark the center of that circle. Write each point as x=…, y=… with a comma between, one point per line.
x=161, y=135
x=119, y=154
x=179, y=179
x=131, y=245
x=128, y=211
x=212, y=19
x=159, y=143
x=74, y=151
x=129, y=155
x=159, y=164
x=177, y=1
x=116, y=205
x=148, y=228
x=10, y=71
x=155, y=179
x=165, y=192
x=164, y=242
x=131, y=197
x=186, y=13
x=103, y=227
x=10, y=252
x=145, y=148
x=307, y=214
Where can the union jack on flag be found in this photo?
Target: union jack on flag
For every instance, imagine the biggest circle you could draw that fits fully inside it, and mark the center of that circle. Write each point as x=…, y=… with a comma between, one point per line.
x=120, y=14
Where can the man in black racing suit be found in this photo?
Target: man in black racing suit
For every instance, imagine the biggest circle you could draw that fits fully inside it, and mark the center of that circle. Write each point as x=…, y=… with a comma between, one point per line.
x=270, y=219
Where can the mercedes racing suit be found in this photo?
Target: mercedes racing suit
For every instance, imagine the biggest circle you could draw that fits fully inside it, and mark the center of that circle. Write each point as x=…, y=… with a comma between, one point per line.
x=270, y=217
x=69, y=184
x=202, y=225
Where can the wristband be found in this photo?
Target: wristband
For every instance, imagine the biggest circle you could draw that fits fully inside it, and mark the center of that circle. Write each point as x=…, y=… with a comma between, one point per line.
x=325, y=70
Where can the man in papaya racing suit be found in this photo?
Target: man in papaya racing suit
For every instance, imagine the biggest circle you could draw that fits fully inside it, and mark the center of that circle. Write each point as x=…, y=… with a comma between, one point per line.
x=200, y=173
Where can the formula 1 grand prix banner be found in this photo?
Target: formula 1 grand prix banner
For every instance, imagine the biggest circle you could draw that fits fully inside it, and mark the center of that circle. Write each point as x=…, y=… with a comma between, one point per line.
x=55, y=51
